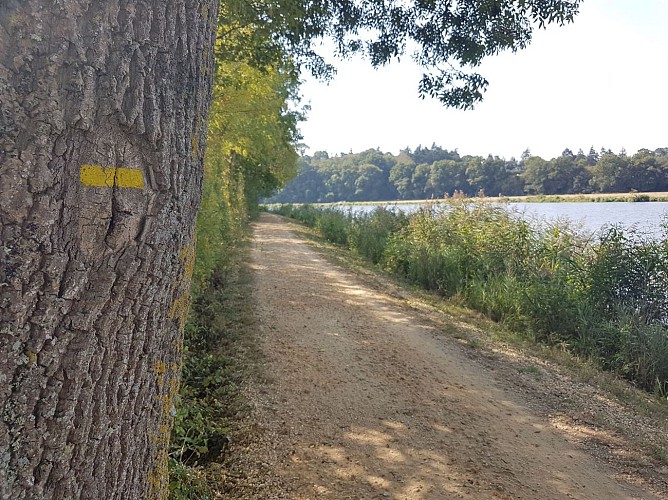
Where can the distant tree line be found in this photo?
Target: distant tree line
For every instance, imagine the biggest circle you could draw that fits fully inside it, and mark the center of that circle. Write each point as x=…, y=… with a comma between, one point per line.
x=436, y=173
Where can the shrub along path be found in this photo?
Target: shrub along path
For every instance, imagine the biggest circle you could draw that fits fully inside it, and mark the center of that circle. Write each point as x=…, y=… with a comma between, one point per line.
x=367, y=398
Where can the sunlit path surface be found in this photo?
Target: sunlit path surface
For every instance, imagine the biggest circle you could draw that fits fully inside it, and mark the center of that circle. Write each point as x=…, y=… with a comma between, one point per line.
x=369, y=400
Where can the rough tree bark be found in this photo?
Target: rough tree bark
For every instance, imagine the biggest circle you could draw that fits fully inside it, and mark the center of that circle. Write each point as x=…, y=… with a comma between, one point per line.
x=103, y=107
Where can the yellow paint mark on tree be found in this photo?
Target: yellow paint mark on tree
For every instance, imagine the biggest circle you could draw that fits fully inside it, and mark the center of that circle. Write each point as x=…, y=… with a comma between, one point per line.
x=99, y=176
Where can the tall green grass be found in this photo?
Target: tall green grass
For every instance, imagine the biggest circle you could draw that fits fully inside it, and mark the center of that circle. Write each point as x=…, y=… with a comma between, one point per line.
x=606, y=300
x=368, y=234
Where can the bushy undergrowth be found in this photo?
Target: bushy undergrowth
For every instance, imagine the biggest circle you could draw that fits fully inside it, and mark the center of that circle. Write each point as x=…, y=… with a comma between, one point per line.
x=209, y=398
x=334, y=226
x=606, y=300
x=368, y=234
x=217, y=344
x=306, y=214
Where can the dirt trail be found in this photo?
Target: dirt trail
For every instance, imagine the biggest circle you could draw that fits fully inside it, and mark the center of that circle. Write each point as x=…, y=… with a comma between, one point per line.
x=368, y=400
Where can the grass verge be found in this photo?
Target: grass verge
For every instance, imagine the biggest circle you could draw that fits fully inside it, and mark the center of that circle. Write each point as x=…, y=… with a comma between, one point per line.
x=221, y=354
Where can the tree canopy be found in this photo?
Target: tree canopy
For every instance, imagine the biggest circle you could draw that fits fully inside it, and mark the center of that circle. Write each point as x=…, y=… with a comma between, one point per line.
x=436, y=172
x=447, y=39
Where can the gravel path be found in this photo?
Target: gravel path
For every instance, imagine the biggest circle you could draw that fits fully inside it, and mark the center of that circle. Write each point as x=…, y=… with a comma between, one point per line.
x=366, y=399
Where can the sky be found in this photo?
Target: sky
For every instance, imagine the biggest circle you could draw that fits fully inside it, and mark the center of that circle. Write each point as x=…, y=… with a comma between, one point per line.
x=601, y=81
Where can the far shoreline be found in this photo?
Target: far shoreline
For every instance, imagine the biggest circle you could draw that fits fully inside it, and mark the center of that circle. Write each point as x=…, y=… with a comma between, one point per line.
x=551, y=198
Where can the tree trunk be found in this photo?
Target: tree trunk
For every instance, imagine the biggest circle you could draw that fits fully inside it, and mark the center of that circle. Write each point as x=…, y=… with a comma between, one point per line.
x=103, y=108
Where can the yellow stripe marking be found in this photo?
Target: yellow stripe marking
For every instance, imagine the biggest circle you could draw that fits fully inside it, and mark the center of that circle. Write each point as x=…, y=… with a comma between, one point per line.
x=99, y=176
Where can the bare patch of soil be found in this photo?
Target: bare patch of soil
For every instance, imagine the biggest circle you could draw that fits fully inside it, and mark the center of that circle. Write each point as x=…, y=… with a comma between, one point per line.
x=366, y=398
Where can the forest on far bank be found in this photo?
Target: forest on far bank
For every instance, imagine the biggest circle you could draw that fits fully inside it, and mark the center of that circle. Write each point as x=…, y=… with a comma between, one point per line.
x=435, y=172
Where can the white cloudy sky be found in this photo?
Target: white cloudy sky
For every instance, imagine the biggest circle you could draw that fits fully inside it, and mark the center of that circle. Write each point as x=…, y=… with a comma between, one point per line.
x=601, y=81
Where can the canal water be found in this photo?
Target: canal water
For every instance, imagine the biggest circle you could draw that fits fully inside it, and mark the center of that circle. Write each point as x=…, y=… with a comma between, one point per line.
x=645, y=218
